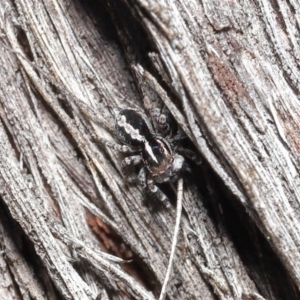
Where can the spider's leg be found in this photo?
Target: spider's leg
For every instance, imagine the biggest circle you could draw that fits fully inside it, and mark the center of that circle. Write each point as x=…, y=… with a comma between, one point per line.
x=142, y=177
x=179, y=136
x=164, y=125
x=154, y=189
x=161, y=120
x=130, y=161
x=118, y=147
x=189, y=154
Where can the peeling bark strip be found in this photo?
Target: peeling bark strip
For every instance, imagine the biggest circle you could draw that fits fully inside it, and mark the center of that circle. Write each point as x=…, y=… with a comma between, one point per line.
x=227, y=71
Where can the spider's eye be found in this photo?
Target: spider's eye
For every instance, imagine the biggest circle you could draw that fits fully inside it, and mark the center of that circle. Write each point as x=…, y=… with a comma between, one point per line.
x=158, y=149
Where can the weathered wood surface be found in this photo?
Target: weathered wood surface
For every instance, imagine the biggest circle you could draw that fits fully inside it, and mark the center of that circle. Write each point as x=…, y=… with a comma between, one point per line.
x=227, y=70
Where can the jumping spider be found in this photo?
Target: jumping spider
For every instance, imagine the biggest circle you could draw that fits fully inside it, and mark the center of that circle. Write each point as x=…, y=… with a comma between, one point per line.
x=156, y=153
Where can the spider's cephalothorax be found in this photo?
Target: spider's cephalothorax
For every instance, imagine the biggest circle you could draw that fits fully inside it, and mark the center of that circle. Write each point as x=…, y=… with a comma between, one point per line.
x=160, y=162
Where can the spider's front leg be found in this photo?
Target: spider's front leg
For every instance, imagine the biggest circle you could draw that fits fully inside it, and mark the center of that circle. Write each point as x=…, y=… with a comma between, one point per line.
x=142, y=177
x=130, y=161
x=118, y=147
x=154, y=189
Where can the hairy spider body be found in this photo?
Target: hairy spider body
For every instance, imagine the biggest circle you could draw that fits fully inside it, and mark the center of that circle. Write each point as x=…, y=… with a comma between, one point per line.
x=161, y=163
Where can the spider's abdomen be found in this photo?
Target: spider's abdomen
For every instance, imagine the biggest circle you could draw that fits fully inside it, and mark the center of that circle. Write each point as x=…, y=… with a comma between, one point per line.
x=132, y=128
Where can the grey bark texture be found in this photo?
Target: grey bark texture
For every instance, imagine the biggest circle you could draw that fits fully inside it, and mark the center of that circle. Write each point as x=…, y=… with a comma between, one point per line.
x=71, y=225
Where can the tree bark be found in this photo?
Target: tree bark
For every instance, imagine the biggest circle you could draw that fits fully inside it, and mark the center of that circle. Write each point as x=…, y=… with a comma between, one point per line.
x=71, y=226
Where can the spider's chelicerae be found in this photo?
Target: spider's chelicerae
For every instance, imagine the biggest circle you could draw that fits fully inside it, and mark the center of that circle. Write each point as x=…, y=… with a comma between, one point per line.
x=159, y=160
